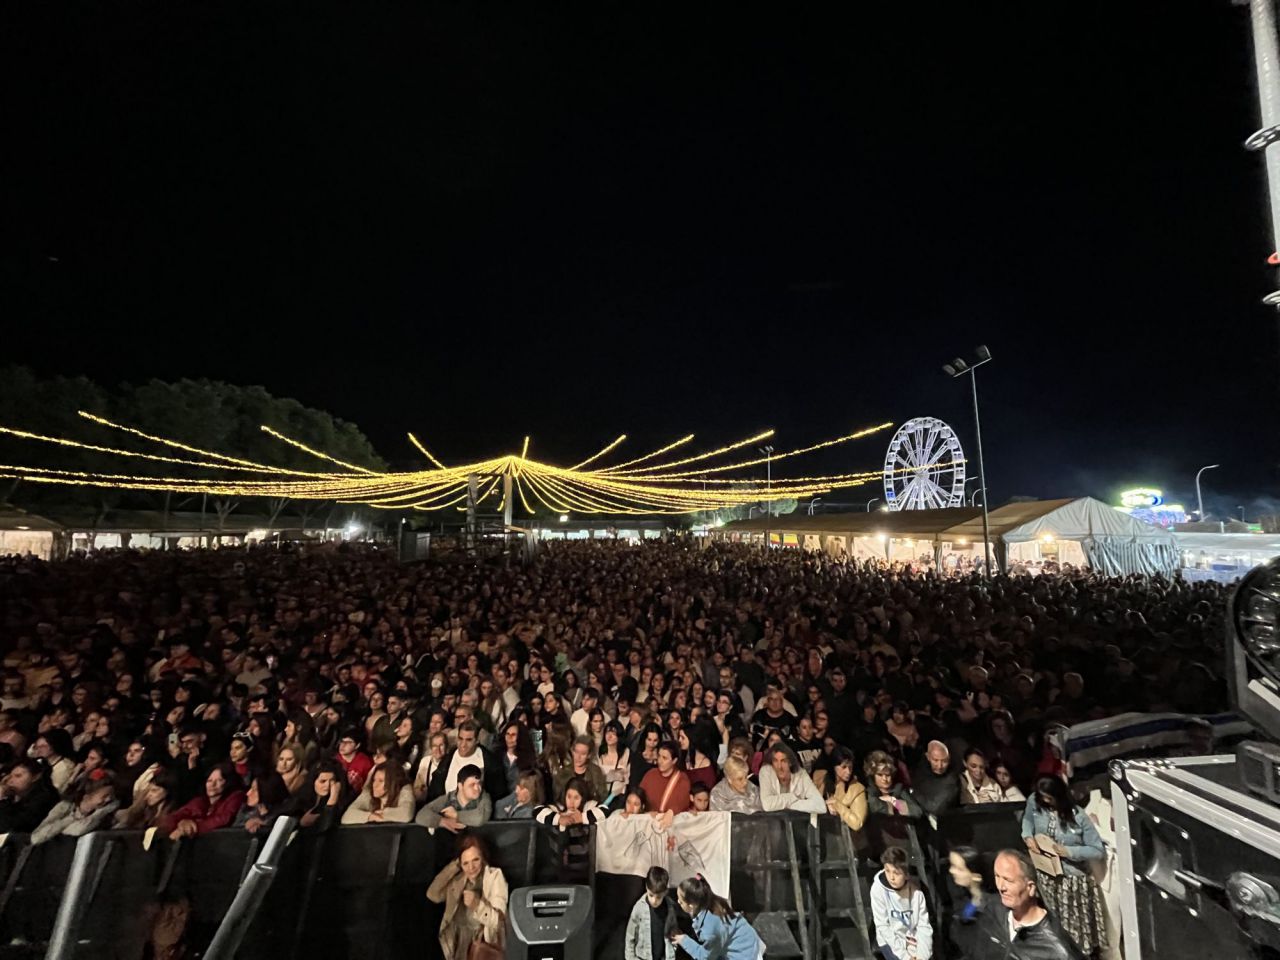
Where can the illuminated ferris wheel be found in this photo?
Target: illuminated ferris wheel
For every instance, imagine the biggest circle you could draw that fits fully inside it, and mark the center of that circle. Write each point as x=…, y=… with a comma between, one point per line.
x=924, y=467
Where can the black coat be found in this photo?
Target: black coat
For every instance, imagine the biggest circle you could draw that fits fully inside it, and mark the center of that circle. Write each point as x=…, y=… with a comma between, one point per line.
x=495, y=779
x=1044, y=941
x=24, y=814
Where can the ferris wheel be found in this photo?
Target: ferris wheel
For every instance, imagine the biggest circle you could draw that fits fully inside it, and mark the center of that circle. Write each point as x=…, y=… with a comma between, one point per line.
x=924, y=467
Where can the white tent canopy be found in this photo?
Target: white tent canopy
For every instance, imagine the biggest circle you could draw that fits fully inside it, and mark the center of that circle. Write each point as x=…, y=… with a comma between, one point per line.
x=1114, y=543
x=1101, y=536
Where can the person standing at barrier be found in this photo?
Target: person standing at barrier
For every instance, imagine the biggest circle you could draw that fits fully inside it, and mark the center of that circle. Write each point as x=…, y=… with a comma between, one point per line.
x=899, y=910
x=666, y=785
x=1062, y=835
x=474, y=895
x=736, y=793
x=653, y=921
x=320, y=808
x=934, y=783
x=719, y=932
x=155, y=803
x=976, y=785
x=582, y=766
x=1003, y=777
x=214, y=809
x=845, y=797
x=267, y=798
x=785, y=786
x=521, y=802
x=467, y=806
x=888, y=795
x=386, y=798
x=1017, y=925
x=88, y=806
x=615, y=761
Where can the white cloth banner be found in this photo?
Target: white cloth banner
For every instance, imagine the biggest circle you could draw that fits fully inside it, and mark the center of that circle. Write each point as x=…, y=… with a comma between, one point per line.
x=694, y=843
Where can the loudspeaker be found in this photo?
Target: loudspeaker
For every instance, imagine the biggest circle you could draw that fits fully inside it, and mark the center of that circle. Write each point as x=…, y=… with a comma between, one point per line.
x=550, y=923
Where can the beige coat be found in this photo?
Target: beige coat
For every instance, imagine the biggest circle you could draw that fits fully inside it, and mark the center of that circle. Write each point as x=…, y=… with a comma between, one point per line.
x=489, y=914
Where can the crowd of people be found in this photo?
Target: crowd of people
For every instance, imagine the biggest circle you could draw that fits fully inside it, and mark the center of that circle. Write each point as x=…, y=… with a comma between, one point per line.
x=195, y=691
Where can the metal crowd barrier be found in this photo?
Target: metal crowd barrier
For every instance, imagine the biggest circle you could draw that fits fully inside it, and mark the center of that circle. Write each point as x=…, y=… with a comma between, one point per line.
x=359, y=892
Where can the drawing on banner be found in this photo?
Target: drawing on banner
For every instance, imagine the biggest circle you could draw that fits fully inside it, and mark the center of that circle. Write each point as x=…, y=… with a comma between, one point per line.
x=690, y=845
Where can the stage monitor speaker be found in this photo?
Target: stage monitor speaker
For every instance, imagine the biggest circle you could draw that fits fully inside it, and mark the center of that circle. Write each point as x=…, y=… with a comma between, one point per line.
x=550, y=923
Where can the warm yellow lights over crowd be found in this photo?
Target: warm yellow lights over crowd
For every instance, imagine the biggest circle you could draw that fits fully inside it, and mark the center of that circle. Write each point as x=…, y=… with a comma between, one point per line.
x=625, y=488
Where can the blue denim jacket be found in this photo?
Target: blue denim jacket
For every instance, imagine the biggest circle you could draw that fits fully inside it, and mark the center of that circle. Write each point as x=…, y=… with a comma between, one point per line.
x=1081, y=838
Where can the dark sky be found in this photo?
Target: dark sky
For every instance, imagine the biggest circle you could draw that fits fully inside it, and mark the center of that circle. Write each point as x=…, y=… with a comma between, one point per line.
x=477, y=224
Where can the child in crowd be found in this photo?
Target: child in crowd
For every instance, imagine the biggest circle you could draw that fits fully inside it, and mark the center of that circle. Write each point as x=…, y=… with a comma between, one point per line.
x=653, y=921
x=903, y=931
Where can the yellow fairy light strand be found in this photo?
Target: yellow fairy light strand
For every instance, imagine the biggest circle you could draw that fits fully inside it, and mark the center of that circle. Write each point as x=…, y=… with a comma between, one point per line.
x=596, y=456
x=425, y=452
x=764, y=435
x=315, y=453
x=648, y=456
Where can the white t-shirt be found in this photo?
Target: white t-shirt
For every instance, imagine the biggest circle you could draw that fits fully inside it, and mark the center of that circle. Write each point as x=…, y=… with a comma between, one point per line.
x=456, y=765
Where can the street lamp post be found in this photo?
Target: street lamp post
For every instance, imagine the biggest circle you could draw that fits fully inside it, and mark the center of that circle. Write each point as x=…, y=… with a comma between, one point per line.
x=955, y=369
x=1199, y=500
x=767, y=450
x=870, y=502
x=813, y=503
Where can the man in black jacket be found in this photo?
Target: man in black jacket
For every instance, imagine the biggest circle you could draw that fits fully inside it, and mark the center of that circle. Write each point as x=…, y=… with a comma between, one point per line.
x=26, y=797
x=468, y=752
x=1018, y=927
x=935, y=783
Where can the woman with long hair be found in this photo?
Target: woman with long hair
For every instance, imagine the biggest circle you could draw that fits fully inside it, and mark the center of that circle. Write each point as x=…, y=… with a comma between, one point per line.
x=290, y=766
x=517, y=754
x=615, y=761
x=300, y=730
x=386, y=798
x=215, y=808
x=523, y=799
x=135, y=771
x=266, y=799
x=699, y=741
x=1054, y=827
x=719, y=932
x=645, y=757
x=150, y=805
x=474, y=894
x=845, y=796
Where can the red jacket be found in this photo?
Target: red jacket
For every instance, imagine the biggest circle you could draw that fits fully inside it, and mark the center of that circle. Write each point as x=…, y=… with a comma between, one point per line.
x=357, y=770
x=654, y=785
x=206, y=818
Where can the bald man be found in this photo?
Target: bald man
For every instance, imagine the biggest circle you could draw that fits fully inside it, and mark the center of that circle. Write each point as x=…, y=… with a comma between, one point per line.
x=935, y=782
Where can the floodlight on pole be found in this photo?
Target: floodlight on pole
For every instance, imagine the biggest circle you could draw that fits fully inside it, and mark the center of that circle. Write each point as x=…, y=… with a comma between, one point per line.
x=1199, y=499
x=955, y=369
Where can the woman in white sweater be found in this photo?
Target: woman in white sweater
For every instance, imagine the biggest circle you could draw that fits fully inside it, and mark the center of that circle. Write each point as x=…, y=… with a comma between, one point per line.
x=785, y=786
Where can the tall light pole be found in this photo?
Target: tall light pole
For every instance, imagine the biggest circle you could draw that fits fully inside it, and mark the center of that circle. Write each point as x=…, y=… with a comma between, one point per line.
x=1266, y=56
x=1199, y=499
x=767, y=450
x=870, y=502
x=813, y=503
x=955, y=369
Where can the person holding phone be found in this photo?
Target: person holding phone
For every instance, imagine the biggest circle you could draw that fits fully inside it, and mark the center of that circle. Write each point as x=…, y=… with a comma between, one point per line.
x=719, y=932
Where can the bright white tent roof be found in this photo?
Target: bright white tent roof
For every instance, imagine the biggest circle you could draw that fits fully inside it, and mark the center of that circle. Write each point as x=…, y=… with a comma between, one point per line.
x=1086, y=517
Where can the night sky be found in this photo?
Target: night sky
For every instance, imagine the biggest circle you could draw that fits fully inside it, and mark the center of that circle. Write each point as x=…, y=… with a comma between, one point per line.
x=478, y=223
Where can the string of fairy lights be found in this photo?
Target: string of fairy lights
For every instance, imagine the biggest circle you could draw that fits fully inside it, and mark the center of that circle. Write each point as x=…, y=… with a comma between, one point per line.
x=647, y=484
